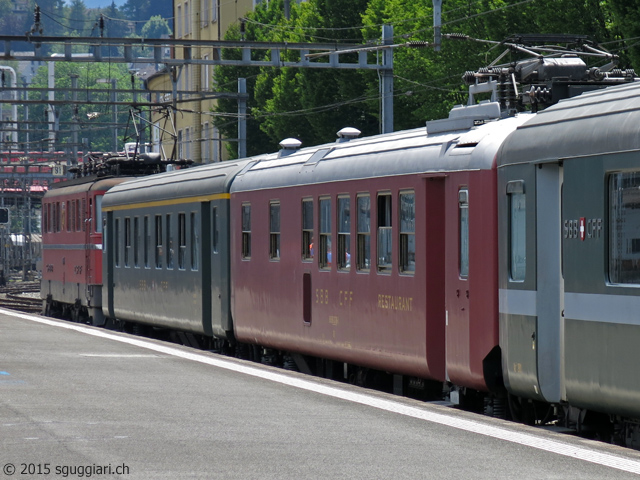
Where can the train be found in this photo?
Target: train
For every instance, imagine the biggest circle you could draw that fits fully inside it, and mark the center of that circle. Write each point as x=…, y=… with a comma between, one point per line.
x=492, y=257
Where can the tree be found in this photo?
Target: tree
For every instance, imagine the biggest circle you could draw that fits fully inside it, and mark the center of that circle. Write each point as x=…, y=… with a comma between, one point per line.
x=625, y=17
x=143, y=10
x=77, y=18
x=289, y=102
x=155, y=28
x=312, y=104
x=96, y=128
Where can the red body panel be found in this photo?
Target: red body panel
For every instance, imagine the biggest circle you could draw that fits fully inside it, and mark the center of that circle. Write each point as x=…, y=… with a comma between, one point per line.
x=393, y=322
x=472, y=301
x=72, y=243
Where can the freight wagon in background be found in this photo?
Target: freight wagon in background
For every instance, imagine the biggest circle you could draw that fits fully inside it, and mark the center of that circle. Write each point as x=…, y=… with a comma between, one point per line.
x=23, y=250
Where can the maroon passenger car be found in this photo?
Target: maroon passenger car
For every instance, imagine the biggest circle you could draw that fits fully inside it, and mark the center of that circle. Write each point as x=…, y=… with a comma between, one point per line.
x=378, y=252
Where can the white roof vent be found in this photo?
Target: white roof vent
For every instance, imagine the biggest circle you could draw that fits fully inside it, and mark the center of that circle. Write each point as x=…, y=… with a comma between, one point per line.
x=348, y=133
x=289, y=145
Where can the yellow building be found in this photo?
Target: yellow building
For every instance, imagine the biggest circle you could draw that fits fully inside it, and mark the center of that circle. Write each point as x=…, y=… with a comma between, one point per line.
x=197, y=138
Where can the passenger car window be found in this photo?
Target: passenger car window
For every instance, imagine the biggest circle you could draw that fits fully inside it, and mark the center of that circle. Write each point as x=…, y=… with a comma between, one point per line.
x=407, y=232
x=274, y=230
x=307, y=229
x=463, y=217
x=517, y=231
x=624, y=225
x=324, y=253
x=363, y=239
x=246, y=231
x=385, y=238
x=344, y=233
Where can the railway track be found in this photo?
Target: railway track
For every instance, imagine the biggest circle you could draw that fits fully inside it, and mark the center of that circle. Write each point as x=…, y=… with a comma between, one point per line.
x=23, y=296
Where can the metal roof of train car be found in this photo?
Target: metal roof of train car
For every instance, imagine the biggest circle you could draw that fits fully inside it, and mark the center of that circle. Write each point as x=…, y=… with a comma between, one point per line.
x=398, y=153
x=82, y=185
x=203, y=181
x=593, y=123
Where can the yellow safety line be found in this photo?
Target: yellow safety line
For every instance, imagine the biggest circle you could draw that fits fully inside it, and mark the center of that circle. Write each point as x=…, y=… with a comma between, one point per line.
x=163, y=203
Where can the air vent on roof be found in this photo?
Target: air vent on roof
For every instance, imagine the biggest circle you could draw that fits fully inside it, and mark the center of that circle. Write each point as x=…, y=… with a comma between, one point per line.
x=347, y=133
x=289, y=146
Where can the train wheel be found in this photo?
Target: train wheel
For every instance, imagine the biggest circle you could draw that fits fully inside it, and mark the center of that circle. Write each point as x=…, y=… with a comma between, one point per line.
x=521, y=410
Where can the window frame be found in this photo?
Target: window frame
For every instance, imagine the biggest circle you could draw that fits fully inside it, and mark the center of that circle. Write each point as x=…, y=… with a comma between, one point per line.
x=343, y=230
x=182, y=240
x=516, y=191
x=246, y=230
x=169, y=241
x=274, y=230
x=463, y=226
x=324, y=233
x=384, y=231
x=407, y=235
x=195, y=242
x=159, y=241
x=363, y=235
x=307, y=230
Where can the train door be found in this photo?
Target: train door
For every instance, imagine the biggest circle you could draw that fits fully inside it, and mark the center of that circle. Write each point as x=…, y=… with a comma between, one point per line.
x=86, y=228
x=434, y=268
x=550, y=281
x=457, y=278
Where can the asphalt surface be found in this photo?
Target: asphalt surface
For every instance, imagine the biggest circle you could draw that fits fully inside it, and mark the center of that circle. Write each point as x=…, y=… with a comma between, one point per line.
x=81, y=402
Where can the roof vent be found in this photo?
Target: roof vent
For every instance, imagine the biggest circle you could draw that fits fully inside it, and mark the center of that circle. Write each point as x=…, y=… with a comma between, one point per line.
x=348, y=133
x=289, y=146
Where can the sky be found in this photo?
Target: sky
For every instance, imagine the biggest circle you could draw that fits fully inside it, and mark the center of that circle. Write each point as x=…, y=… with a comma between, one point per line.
x=101, y=3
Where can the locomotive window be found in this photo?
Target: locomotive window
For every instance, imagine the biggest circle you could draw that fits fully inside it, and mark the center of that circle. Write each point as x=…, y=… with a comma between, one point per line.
x=195, y=241
x=343, y=260
x=307, y=229
x=463, y=213
x=56, y=217
x=214, y=229
x=274, y=230
x=517, y=236
x=116, y=242
x=47, y=218
x=407, y=232
x=624, y=225
x=169, y=242
x=78, y=216
x=324, y=256
x=246, y=231
x=70, y=226
x=158, y=241
x=385, y=238
x=146, y=241
x=136, y=241
x=363, y=254
x=63, y=217
x=84, y=212
x=127, y=241
x=182, y=240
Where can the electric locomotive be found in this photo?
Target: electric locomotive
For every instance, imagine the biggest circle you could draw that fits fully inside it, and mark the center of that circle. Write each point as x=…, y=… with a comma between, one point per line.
x=72, y=230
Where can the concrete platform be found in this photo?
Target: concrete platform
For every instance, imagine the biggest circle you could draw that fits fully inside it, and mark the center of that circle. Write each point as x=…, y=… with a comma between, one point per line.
x=79, y=400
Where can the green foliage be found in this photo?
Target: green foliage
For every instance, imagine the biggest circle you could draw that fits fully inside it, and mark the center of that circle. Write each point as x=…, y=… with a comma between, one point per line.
x=312, y=104
x=156, y=27
x=96, y=130
x=625, y=18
